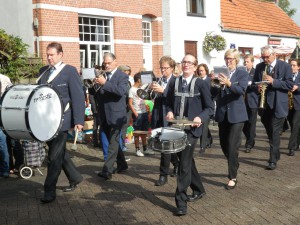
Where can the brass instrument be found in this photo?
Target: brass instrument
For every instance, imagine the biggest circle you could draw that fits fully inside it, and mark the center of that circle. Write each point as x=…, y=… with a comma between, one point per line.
x=146, y=92
x=263, y=89
x=90, y=83
x=291, y=100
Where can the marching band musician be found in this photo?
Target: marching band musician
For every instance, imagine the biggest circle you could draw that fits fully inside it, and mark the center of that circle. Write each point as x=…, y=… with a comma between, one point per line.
x=111, y=99
x=205, y=138
x=159, y=112
x=189, y=97
x=294, y=108
x=231, y=112
x=251, y=100
x=279, y=80
x=65, y=79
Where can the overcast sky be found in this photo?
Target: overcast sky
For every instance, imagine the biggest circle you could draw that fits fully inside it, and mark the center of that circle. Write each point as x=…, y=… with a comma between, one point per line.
x=296, y=4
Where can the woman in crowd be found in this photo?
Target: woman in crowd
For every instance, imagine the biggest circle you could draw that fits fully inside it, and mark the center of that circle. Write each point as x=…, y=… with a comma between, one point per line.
x=231, y=112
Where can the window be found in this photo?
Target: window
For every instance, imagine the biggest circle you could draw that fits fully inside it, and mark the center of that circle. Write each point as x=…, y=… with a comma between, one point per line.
x=146, y=32
x=94, y=29
x=245, y=51
x=195, y=7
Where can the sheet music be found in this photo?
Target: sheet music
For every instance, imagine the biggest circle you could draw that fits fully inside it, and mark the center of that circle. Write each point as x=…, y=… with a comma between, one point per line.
x=221, y=69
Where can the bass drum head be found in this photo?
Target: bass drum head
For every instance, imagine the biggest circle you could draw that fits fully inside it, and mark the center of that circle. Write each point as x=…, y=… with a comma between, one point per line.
x=45, y=112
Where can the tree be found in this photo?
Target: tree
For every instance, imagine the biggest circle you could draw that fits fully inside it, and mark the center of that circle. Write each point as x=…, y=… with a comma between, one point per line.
x=285, y=6
x=14, y=60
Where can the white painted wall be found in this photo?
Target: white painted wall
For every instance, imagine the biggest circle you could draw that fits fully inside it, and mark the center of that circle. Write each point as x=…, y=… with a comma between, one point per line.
x=179, y=27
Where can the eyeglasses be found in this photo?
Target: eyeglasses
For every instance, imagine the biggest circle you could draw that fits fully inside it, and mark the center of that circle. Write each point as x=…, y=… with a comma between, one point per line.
x=266, y=56
x=229, y=59
x=189, y=63
x=108, y=63
x=164, y=68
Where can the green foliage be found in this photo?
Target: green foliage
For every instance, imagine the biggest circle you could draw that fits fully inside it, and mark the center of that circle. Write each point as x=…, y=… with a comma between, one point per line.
x=285, y=6
x=213, y=41
x=14, y=61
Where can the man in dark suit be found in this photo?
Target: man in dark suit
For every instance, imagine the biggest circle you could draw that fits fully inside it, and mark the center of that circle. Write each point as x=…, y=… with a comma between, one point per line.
x=159, y=112
x=251, y=100
x=189, y=98
x=65, y=79
x=278, y=75
x=111, y=100
x=294, y=108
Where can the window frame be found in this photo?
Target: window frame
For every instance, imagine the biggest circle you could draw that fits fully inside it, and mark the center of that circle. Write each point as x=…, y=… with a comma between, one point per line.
x=189, y=8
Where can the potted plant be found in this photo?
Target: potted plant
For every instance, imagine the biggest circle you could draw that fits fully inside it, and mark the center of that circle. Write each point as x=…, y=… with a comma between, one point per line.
x=213, y=43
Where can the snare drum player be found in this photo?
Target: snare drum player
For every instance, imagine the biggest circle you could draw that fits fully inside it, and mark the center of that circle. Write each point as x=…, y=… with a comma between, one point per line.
x=65, y=79
x=167, y=66
x=189, y=98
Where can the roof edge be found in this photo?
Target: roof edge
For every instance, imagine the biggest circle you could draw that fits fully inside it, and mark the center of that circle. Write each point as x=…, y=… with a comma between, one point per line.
x=258, y=33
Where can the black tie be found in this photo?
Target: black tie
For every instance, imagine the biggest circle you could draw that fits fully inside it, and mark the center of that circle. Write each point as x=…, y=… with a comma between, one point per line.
x=184, y=85
x=49, y=72
x=108, y=75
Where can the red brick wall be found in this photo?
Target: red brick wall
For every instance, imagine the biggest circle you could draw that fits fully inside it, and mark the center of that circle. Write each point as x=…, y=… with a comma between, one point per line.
x=65, y=24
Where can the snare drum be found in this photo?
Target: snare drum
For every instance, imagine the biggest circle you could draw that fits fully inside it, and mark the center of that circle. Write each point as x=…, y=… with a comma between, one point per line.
x=31, y=112
x=168, y=140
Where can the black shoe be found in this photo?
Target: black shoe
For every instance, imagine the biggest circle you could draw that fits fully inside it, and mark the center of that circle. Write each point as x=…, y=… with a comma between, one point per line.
x=195, y=197
x=120, y=169
x=46, y=200
x=291, y=152
x=105, y=175
x=175, y=172
x=248, y=150
x=180, y=212
x=161, y=181
x=228, y=187
x=271, y=166
x=202, y=150
x=72, y=187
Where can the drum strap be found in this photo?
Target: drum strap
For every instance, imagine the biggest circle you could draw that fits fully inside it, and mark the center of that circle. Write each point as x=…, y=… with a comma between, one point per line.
x=183, y=95
x=53, y=75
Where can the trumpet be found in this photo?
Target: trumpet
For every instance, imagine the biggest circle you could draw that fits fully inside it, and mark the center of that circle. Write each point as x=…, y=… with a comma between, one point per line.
x=146, y=92
x=90, y=83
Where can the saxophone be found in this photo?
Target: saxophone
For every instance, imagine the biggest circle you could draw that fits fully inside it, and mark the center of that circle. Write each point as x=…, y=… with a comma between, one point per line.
x=263, y=90
x=291, y=100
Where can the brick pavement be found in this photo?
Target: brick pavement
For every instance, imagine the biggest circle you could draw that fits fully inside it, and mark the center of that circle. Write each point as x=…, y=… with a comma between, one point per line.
x=261, y=196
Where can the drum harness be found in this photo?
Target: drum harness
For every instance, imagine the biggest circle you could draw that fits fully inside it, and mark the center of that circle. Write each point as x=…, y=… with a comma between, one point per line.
x=184, y=95
x=53, y=75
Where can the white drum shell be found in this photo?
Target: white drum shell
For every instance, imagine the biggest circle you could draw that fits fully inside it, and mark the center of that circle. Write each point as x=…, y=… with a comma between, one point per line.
x=31, y=112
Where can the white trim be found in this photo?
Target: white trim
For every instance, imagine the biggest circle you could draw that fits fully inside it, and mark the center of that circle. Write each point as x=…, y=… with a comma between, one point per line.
x=95, y=12
x=54, y=7
x=59, y=39
x=157, y=43
x=89, y=11
x=129, y=42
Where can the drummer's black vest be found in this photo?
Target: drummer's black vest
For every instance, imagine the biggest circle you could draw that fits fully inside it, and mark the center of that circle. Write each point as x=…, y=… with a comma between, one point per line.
x=184, y=95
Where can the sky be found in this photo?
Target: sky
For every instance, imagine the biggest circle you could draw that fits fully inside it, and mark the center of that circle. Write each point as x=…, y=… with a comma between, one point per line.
x=295, y=4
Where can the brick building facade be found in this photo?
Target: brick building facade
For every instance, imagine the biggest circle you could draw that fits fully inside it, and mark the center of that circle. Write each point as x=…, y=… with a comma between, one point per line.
x=87, y=29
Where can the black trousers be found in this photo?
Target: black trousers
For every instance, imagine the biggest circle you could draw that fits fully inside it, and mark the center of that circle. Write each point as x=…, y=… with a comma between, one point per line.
x=114, y=149
x=249, y=128
x=230, y=135
x=206, y=137
x=58, y=159
x=188, y=175
x=273, y=127
x=294, y=120
x=165, y=161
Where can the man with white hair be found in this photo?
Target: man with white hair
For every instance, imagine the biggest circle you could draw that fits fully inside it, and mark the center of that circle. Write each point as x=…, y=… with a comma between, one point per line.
x=277, y=75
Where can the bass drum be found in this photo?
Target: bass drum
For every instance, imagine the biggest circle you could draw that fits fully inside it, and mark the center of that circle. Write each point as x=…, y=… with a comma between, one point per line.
x=31, y=112
x=168, y=140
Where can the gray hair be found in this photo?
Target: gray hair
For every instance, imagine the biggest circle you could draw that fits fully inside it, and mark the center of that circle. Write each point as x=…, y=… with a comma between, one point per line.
x=267, y=48
x=109, y=55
